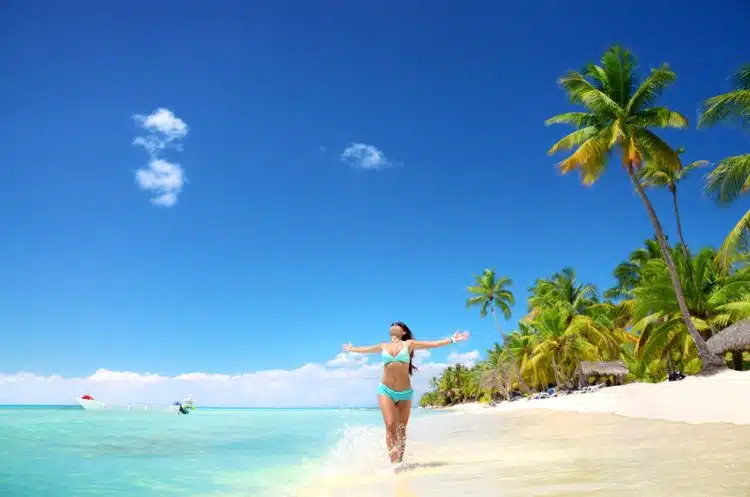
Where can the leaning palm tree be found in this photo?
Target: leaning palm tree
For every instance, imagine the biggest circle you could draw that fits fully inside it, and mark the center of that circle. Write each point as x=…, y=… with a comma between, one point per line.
x=715, y=299
x=659, y=175
x=731, y=177
x=620, y=116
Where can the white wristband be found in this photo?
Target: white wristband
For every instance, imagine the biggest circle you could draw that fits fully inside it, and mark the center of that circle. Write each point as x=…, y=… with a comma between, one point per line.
x=453, y=340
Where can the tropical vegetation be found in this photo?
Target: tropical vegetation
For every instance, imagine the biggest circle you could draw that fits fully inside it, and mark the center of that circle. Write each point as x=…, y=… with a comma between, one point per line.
x=667, y=300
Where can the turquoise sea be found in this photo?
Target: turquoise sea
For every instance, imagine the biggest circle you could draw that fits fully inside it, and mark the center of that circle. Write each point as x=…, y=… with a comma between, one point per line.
x=71, y=452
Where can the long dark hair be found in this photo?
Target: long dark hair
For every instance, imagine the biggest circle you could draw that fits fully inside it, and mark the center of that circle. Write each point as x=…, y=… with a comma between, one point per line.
x=408, y=335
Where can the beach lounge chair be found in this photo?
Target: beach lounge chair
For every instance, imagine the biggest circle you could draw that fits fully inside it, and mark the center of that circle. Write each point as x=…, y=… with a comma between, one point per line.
x=593, y=388
x=546, y=395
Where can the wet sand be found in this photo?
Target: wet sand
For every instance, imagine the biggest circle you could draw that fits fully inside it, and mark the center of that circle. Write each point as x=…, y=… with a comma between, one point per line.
x=555, y=454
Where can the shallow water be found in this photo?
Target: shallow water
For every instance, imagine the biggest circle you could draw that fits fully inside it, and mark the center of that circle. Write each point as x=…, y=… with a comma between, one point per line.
x=331, y=453
x=544, y=453
x=48, y=452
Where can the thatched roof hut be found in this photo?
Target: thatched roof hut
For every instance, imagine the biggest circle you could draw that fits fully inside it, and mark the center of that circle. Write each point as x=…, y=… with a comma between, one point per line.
x=734, y=339
x=601, y=368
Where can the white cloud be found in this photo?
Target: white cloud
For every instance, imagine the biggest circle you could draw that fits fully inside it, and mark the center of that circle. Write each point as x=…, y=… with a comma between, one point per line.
x=346, y=360
x=421, y=355
x=467, y=359
x=363, y=156
x=162, y=178
x=346, y=380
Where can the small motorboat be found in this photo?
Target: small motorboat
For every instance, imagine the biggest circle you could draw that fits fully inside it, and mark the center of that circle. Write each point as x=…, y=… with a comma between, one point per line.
x=89, y=402
x=184, y=407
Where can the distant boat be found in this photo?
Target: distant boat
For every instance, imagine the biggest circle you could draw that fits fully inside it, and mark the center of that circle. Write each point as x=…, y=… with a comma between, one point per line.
x=88, y=402
x=184, y=407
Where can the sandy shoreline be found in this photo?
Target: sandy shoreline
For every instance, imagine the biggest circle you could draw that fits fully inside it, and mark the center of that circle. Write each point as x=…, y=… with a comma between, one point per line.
x=628, y=441
x=723, y=398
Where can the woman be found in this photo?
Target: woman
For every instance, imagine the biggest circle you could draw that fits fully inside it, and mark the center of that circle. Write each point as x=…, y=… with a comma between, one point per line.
x=394, y=392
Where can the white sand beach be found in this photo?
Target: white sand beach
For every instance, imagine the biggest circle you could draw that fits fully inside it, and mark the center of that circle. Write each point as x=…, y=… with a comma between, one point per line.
x=626, y=441
x=723, y=398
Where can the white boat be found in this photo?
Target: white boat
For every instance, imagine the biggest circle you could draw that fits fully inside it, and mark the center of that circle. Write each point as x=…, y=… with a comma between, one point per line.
x=187, y=405
x=88, y=402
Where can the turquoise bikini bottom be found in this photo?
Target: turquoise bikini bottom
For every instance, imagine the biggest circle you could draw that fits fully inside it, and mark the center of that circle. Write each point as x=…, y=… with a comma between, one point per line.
x=395, y=395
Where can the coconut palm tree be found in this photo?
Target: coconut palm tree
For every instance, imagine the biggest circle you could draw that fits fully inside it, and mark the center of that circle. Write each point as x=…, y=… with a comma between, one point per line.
x=628, y=273
x=562, y=290
x=563, y=341
x=731, y=177
x=490, y=293
x=714, y=298
x=620, y=117
x=658, y=175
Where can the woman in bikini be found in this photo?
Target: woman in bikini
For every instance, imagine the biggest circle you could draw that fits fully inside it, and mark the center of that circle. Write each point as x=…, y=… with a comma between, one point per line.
x=394, y=392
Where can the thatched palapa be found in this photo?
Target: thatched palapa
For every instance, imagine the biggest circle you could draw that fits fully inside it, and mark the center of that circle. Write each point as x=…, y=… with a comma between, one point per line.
x=601, y=368
x=734, y=339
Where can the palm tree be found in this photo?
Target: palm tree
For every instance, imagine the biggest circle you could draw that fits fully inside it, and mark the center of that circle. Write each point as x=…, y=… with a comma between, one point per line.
x=619, y=116
x=731, y=177
x=658, y=175
x=563, y=341
x=628, y=273
x=562, y=290
x=715, y=299
x=489, y=293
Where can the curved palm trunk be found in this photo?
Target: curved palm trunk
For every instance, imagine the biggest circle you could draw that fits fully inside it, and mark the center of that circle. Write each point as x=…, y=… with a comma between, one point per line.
x=711, y=363
x=517, y=369
x=685, y=250
x=679, y=223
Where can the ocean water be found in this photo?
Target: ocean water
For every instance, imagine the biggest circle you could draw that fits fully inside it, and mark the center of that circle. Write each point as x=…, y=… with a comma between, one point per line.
x=66, y=452
x=341, y=453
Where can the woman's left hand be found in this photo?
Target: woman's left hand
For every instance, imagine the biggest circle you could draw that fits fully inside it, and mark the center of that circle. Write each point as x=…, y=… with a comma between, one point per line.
x=460, y=336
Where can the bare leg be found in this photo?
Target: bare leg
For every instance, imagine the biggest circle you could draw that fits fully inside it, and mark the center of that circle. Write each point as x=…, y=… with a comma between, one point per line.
x=403, y=409
x=390, y=417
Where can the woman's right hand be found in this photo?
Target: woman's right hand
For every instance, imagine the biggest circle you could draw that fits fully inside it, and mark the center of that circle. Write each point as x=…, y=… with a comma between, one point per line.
x=348, y=347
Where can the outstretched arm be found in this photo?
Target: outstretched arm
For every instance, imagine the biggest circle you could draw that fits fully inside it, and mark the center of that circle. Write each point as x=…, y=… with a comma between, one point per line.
x=370, y=349
x=457, y=337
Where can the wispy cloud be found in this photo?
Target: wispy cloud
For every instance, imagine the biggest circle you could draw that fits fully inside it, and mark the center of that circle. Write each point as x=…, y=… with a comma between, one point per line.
x=162, y=178
x=363, y=156
x=346, y=380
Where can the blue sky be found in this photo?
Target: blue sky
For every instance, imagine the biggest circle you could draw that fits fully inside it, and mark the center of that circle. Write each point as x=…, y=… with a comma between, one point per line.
x=276, y=251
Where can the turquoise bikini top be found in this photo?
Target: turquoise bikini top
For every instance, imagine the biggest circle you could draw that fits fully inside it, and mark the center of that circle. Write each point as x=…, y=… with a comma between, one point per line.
x=402, y=356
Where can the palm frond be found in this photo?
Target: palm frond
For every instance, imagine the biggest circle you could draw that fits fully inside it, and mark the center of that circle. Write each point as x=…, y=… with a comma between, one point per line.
x=737, y=240
x=655, y=149
x=692, y=166
x=651, y=88
x=659, y=117
x=652, y=176
x=577, y=119
x=618, y=64
x=729, y=179
x=574, y=139
x=590, y=157
x=580, y=90
x=734, y=105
